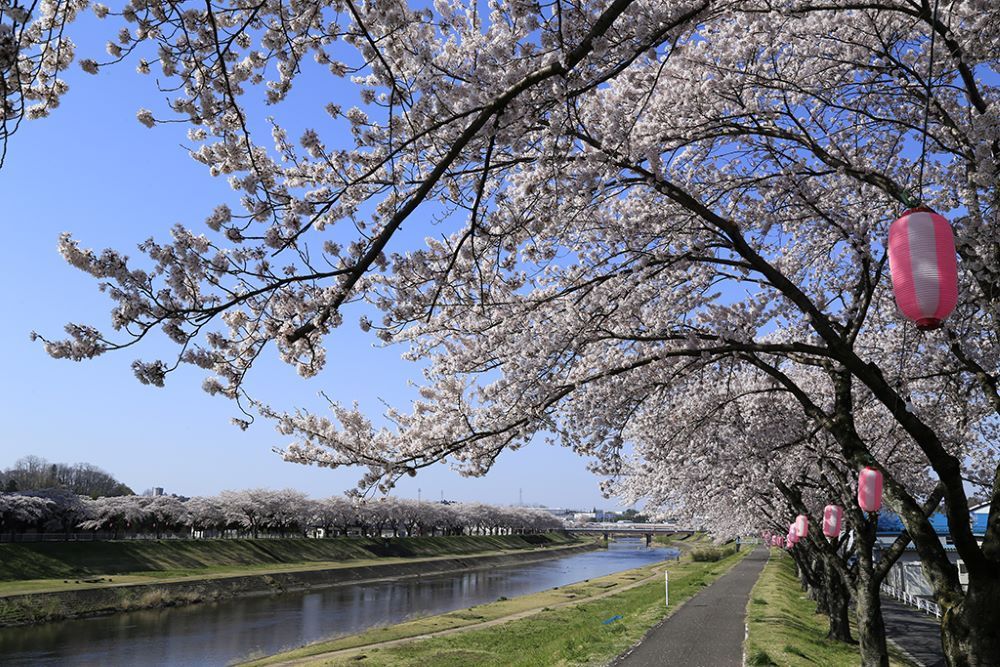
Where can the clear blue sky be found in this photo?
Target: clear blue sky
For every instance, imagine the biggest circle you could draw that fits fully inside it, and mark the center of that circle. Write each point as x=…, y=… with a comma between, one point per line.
x=92, y=169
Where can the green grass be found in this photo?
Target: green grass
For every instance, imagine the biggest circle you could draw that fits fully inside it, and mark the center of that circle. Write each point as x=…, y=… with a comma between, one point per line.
x=784, y=628
x=560, y=626
x=711, y=554
x=681, y=541
x=37, y=566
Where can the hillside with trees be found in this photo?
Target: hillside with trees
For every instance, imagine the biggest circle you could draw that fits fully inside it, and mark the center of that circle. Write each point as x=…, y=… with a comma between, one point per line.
x=33, y=473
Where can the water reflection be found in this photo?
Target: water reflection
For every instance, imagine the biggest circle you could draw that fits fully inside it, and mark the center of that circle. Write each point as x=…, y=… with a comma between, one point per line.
x=219, y=633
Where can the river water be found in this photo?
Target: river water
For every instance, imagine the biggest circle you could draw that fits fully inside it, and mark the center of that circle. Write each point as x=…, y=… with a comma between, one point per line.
x=223, y=632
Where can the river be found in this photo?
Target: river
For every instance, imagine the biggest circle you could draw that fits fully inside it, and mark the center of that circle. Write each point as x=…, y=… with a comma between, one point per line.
x=223, y=632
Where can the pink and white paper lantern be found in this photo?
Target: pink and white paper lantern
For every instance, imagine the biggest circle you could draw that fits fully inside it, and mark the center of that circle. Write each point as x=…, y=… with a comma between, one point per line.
x=833, y=516
x=801, y=525
x=924, y=267
x=870, y=489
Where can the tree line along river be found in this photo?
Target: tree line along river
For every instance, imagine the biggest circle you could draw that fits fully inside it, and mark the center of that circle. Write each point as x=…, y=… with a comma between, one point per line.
x=224, y=632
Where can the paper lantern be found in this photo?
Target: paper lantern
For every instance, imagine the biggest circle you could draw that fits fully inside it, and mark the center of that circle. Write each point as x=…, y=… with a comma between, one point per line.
x=801, y=525
x=870, y=489
x=923, y=266
x=833, y=515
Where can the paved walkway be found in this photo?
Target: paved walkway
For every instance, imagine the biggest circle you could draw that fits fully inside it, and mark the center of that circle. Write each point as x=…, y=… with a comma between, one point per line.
x=918, y=633
x=708, y=631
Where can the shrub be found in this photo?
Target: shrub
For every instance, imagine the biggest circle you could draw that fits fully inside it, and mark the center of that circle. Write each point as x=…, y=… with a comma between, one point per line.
x=759, y=658
x=712, y=554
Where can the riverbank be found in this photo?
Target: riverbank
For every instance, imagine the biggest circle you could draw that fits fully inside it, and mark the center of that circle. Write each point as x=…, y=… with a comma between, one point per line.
x=239, y=568
x=584, y=623
x=784, y=629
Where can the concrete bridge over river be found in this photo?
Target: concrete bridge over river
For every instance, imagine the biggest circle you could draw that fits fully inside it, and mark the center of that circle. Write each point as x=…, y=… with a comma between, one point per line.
x=647, y=530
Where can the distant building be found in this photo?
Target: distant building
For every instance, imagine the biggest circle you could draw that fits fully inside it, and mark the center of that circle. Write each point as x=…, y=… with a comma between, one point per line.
x=906, y=573
x=560, y=512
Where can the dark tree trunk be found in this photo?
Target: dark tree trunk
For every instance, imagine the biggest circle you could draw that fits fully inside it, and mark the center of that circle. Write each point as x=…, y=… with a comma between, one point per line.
x=819, y=585
x=831, y=594
x=970, y=631
x=838, y=600
x=871, y=628
x=868, y=604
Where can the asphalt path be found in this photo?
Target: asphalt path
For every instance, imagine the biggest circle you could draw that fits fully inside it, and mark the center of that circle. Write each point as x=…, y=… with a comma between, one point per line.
x=916, y=632
x=708, y=630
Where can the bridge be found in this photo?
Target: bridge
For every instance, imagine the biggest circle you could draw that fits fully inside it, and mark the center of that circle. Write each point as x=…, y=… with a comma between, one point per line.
x=647, y=530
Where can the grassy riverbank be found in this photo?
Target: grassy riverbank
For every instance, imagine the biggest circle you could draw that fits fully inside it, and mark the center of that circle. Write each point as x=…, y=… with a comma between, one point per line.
x=784, y=628
x=562, y=625
x=54, y=566
x=681, y=541
x=262, y=571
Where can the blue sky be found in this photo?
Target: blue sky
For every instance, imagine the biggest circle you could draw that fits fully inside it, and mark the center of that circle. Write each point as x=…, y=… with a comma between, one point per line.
x=92, y=169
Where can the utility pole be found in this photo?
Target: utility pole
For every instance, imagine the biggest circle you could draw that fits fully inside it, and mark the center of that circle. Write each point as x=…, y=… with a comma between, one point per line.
x=418, y=496
x=520, y=497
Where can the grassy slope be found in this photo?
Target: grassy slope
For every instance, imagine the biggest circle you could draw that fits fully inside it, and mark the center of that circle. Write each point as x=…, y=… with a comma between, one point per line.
x=680, y=541
x=552, y=635
x=24, y=563
x=784, y=627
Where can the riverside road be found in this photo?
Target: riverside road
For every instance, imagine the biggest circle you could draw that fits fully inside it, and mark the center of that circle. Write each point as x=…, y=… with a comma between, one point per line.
x=708, y=630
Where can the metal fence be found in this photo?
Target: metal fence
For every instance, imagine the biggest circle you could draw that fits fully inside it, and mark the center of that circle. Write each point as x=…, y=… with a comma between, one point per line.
x=919, y=602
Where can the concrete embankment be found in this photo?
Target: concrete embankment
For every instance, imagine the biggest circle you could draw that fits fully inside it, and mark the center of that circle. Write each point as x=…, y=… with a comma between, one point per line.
x=49, y=606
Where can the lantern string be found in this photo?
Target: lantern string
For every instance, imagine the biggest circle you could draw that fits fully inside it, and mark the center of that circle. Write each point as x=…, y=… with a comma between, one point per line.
x=902, y=359
x=899, y=391
x=927, y=103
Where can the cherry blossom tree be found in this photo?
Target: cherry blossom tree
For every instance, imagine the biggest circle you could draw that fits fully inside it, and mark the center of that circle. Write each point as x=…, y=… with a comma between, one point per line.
x=740, y=455
x=18, y=511
x=206, y=514
x=66, y=509
x=334, y=515
x=119, y=514
x=288, y=511
x=247, y=509
x=258, y=513
x=636, y=196
x=34, y=50
x=162, y=514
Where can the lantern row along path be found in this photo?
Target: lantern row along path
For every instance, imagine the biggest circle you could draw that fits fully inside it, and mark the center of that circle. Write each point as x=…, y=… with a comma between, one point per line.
x=917, y=633
x=708, y=630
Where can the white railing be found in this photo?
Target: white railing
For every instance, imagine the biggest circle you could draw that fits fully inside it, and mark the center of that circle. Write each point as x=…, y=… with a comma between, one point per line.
x=921, y=603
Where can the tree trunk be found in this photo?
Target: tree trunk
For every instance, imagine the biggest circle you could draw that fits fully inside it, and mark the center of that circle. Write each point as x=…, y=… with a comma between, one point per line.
x=871, y=628
x=969, y=630
x=819, y=585
x=838, y=602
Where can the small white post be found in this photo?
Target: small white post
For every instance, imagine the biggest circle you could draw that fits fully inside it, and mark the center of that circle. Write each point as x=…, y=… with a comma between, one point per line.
x=666, y=588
